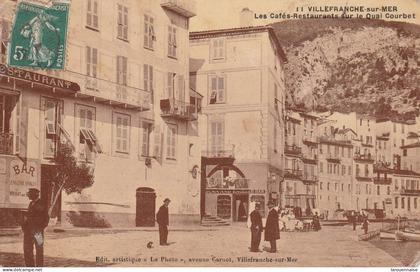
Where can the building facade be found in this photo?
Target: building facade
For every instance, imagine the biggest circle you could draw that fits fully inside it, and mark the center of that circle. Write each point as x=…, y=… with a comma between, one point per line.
x=134, y=120
x=239, y=72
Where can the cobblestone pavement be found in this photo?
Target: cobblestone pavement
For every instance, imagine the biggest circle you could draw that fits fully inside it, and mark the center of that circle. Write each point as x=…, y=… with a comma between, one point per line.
x=332, y=246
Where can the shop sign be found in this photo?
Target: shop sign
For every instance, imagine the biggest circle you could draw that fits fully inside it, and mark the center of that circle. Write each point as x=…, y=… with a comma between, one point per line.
x=23, y=175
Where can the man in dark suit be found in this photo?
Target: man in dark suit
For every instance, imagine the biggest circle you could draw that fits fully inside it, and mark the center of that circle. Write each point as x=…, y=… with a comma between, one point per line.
x=162, y=217
x=272, y=229
x=256, y=229
x=34, y=222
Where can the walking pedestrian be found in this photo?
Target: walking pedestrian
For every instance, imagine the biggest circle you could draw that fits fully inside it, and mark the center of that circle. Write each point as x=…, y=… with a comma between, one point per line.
x=162, y=217
x=354, y=219
x=35, y=220
x=272, y=230
x=365, y=224
x=256, y=228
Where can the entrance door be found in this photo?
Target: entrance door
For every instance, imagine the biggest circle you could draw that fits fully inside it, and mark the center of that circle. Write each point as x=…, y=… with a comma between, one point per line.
x=240, y=207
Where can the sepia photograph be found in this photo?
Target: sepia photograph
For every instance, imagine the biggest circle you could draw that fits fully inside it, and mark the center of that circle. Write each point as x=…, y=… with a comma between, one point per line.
x=197, y=133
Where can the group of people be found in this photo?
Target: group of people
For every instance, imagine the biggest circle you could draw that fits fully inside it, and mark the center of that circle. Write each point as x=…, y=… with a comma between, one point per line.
x=355, y=217
x=271, y=230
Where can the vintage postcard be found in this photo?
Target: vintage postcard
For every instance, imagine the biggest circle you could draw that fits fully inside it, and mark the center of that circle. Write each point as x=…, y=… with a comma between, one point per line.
x=224, y=133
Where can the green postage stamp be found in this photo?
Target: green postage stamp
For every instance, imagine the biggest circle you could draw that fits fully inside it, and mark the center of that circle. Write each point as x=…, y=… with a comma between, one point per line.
x=39, y=36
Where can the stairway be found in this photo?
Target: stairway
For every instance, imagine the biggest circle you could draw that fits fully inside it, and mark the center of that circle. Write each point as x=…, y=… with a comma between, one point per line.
x=213, y=221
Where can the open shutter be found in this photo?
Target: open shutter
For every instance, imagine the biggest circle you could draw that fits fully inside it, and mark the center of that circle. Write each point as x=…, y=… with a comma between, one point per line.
x=181, y=87
x=151, y=83
x=120, y=21
x=125, y=28
x=89, y=13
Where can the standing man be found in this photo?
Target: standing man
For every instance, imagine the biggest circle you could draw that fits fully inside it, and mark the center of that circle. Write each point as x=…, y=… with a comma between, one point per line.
x=34, y=222
x=256, y=228
x=162, y=217
x=272, y=230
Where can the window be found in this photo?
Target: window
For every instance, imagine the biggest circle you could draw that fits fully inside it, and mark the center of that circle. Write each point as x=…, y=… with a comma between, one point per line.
x=402, y=202
x=216, y=136
x=342, y=187
x=149, y=32
x=52, y=110
x=336, y=187
x=378, y=190
x=122, y=22
x=366, y=170
x=218, y=49
x=349, y=187
x=328, y=186
x=396, y=202
x=171, y=141
x=148, y=79
x=388, y=190
x=122, y=70
x=320, y=149
x=88, y=143
x=320, y=186
x=350, y=170
x=157, y=142
x=402, y=128
x=321, y=167
x=275, y=138
x=171, y=41
x=415, y=202
x=91, y=61
x=92, y=14
x=121, y=133
x=146, y=130
x=217, y=89
x=343, y=170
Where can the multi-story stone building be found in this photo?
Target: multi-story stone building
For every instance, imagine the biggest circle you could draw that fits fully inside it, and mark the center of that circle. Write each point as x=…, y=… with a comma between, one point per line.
x=239, y=72
x=301, y=170
x=134, y=120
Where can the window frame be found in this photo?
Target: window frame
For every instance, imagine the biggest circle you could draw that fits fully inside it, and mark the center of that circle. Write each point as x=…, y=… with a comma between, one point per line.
x=122, y=22
x=218, y=90
x=115, y=138
x=149, y=36
x=172, y=42
x=90, y=13
x=219, y=46
x=171, y=141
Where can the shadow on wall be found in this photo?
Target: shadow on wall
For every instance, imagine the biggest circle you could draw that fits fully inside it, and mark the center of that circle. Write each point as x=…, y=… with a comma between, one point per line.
x=86, y=219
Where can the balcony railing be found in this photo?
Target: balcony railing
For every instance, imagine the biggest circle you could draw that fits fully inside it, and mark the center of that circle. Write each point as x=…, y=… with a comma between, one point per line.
x=108, y=92
x=239, y=183
x=359, y=177
x=382, y=181
x=218, y=153
x=309, y=178
x=183, y=7
x=410, y=192
x=333, y=157
x=178, y=109
x=293, y=173
x=292, y=150
x=6, y=143
x=308, y=140
x=363, y=158
x=309, y=158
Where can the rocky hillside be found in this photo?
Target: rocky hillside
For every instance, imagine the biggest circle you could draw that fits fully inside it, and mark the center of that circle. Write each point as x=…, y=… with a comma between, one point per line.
x=367, y=66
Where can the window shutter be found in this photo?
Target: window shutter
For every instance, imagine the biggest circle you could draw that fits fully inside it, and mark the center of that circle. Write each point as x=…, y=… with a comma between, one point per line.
x=118, y=70
x=89, y=13
x=124, y=71
x=119, y=22
x=94, y=62
x=146, y=31
x=88, y=61
x=95, y=13
x=151, y=89
x=181, y=86
x=146, y=77
x=125, y=23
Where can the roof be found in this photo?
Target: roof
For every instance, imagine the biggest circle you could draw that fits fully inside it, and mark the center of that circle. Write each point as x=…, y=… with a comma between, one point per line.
x=411, y=145
x=406, y=173
x=195, y=35
x=345, y=130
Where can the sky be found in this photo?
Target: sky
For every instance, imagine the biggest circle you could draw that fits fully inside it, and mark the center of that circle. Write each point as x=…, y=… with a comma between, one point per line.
x=216, y=14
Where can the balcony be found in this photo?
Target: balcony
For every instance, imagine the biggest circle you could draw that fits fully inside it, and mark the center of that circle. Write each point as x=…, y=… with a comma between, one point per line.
x=185, y=8
x=109, y=92
x=367, y=158
x=293, y=173
x=292, y=150
x=215, y=157
x=179, y=110
x=309, y=179
x=382, y=181
x=410, y=192
x=310, y=141
x=217, y=183
x=6, y=143
x=363, y=178
x=309, y=159
x=332, y=157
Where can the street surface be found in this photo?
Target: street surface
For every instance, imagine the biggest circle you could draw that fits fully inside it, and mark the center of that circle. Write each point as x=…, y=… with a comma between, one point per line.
x=223, y=246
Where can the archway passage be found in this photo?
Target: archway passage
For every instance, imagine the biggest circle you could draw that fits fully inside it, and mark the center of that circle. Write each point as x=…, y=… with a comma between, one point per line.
x=224, y=168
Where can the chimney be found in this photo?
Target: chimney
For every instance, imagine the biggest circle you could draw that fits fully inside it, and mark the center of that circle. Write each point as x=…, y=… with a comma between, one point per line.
x=246, y=18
